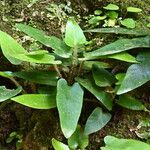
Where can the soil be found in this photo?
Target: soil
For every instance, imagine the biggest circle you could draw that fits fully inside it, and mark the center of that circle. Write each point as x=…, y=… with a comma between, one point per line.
x=38, y=127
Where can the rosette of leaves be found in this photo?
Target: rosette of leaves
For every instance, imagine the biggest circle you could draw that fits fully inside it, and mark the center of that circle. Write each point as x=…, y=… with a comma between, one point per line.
x=68, y=79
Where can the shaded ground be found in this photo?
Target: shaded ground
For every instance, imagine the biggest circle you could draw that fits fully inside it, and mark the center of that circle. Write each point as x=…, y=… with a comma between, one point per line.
x=39, y=126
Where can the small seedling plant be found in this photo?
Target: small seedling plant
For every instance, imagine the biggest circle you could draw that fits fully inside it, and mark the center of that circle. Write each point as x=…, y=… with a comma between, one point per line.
x=110, y=16
x=72, y=71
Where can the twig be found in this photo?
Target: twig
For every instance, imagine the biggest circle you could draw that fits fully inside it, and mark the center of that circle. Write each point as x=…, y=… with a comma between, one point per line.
x=57, y=70
x=17, y=84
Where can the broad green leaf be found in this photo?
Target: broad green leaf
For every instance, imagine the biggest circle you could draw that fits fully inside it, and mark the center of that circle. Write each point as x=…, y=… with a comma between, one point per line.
x=103, y=97
x=134, y=9
x=40, y=59
x=59, y=145
x=74, y=35
x=102, y=77
x=137, y=74
x=10, y=48
x=111, y=7
x=148, y=25
x=69, y=104
x=119, y=46
x=41, y=77
x=119, y=30
x=96, y=121
x=6, y=94
x=128, y=22
x=88, y=64
x=112, y=14
x=15, y=53
x=6, y=74
x=125, y=144
x=123, y=57
x=78, y=140
x=130, y=103
x=60, y=48
x=37, y=101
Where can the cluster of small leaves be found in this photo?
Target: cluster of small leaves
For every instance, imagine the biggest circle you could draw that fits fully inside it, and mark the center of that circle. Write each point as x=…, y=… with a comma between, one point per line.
x=68, y=78
x=110, y=16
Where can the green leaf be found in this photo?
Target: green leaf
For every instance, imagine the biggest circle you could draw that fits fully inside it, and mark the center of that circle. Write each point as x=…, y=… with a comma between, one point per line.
x=102, y=77
x=15, y=53
x=134, y=9
x=125, y=144
x=103, y=97
x=6, y=94
x=96, y=19
x=69, y=104
x=119, y=30
x=74, y=35
x=88, y=64
x=137, y=74
x=123, y=57
x=59, y=145
x=96, y=121
x=119, y=46
x=6, y=74
x=60, y=48
x=111, y=7
x=97, y=12
x=40, y=59
x=129, y=23
x=37, y=52
x=129, y=102
x=10, y=48
x=112, y=14
x=41, y=77
x=78, y=140
x=37, y=101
